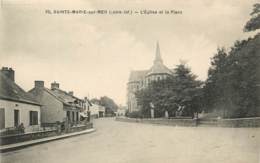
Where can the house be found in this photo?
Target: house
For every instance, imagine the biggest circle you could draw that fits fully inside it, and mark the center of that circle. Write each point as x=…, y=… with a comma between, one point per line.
x=84, y=113
x=57, y=104
x=16, y=105
x=97, y=110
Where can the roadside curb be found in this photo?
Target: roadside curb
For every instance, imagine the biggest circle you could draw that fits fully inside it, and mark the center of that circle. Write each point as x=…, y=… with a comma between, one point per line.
x=16, y=146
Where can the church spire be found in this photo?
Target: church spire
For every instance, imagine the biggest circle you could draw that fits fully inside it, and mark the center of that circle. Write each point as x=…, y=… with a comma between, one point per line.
x=158, y=58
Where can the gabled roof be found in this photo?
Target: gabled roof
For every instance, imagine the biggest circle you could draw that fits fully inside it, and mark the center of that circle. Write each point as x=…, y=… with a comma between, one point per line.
x=63, y=96
x=159, y=69
x=9, y=90
x=158, y=66
x=137, y=75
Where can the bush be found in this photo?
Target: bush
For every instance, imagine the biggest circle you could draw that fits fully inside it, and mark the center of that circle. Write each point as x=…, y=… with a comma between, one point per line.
x=134, y=114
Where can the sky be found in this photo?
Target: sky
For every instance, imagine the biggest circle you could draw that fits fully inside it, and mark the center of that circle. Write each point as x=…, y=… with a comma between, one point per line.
x=93, y=54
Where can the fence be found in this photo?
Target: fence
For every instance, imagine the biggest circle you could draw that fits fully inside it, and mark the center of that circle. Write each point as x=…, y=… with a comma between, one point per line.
x=15, y=137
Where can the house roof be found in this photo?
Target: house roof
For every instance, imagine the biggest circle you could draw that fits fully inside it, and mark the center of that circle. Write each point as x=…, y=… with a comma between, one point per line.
x=63, y=96
x=9, y=90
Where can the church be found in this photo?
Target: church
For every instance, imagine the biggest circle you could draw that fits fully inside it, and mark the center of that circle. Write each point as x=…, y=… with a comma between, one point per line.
x=140, y=79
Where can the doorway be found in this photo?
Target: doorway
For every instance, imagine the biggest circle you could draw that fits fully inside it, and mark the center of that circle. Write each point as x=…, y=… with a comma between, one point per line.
x=2, y=118
x=16, y=118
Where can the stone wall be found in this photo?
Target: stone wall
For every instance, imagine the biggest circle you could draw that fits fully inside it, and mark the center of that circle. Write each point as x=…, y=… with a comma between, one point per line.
x=161, y=121
x=238, y=122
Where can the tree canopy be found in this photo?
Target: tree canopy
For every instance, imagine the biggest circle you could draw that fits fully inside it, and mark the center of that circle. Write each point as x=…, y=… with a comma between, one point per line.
x=107, y=102
x=254, y=23
x=182, y=90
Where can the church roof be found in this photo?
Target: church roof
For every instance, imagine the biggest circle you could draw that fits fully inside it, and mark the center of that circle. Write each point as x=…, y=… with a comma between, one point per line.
x=158, y=66
x=137, y=75
x=159, y=69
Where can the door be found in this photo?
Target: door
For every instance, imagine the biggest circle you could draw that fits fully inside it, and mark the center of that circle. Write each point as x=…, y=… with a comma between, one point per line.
x=16, y=118
x=2, y=118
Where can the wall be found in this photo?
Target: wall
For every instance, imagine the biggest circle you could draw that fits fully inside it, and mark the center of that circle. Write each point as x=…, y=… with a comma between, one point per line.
x=161, y=121
x=24, y=114
x=238, y=122
x=52, y=109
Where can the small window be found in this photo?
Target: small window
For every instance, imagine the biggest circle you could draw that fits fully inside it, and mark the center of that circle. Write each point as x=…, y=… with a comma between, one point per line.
x=33, y=118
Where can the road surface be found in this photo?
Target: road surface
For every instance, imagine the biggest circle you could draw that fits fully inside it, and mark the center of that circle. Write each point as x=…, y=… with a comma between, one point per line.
x=122, y=142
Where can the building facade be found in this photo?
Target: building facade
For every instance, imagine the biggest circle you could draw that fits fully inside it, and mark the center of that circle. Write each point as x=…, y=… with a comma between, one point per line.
x=97, y=110
x=142, y=78
x=16, y=106
x=57, y=104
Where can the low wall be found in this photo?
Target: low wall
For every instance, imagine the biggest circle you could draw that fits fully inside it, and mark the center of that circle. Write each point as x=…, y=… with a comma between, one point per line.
x=16, y=138
x=162, y=121
x=237, y=122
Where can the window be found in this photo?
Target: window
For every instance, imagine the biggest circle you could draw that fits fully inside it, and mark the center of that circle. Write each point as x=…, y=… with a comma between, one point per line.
x=2, y=118
x=16, y=118
x=68, y=115
x=33, y=118
x=73, y=117
x=77, y=116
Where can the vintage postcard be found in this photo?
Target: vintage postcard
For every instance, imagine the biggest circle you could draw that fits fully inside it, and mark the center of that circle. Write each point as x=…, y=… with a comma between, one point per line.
x=130, y=81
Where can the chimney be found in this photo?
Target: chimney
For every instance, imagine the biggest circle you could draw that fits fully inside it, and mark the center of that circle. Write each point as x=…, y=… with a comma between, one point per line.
x=8, y=72
x=38, y=84
x=55, y=85
x=70, y=93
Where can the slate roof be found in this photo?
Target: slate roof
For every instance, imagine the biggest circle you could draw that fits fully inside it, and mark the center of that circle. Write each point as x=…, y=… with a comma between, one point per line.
x=64, y=97
x=137, y=75
x=9, y=90
x=159, y=69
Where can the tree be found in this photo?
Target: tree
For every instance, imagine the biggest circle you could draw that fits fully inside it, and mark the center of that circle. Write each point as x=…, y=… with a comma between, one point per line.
x=188, y=90
x=167, y=95
x=213, y=89
x=233, y=78
x=254, y=23
x=95, y=101
x=109, y=104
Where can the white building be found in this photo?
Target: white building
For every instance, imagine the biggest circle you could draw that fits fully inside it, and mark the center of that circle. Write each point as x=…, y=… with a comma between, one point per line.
x=16, y=105
x=97, y=110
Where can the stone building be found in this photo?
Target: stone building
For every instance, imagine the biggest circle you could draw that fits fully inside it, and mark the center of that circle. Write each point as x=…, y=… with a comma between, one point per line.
x=140, y=79
x=16, y=105
x=57, y=104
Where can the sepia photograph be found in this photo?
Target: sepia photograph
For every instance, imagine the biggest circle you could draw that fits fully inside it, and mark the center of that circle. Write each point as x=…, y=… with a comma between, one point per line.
x=130, y=81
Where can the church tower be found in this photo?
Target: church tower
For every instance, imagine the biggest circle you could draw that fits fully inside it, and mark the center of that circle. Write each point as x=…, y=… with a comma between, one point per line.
x=158, y=58
x=158, y=71
x=140, y=79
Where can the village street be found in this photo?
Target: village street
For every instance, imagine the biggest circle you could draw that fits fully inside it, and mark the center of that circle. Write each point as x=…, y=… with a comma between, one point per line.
x=122, y=142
